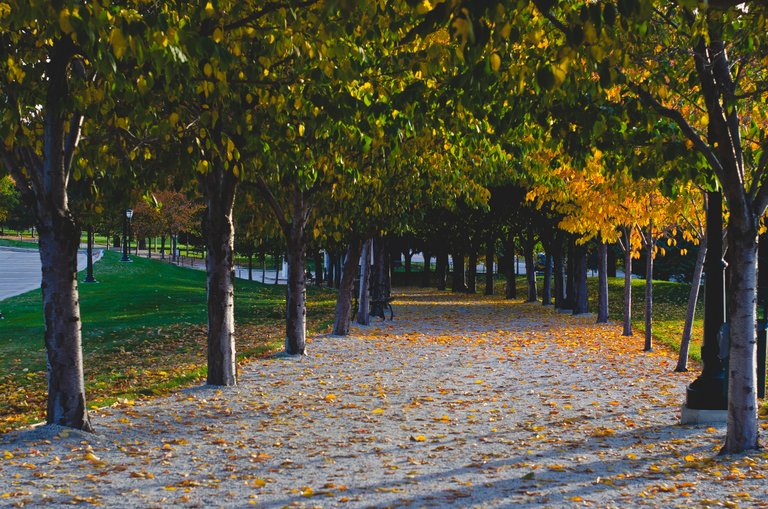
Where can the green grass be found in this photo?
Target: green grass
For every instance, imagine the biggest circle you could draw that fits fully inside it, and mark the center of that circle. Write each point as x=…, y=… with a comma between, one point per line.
x=29, y=244
x=144, y=330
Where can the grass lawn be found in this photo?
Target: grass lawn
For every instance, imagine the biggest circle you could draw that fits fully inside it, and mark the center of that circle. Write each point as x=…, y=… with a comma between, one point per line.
x=144, y=332
x=29, y=244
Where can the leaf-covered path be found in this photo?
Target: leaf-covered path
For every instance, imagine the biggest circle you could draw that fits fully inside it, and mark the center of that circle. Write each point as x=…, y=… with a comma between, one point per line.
x=462, y=400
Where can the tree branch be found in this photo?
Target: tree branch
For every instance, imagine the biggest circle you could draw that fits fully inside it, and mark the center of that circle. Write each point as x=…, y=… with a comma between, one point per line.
x=262, y=186
x=266, y=10
x=75, y=126
x=684, y=126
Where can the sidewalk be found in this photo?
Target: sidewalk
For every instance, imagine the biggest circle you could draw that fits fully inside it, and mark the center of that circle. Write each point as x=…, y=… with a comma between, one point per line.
x=461, y=401
x=20, y=269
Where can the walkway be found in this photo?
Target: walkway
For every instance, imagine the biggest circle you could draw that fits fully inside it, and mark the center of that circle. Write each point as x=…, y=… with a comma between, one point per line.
x=462, y=401
x=20, y=270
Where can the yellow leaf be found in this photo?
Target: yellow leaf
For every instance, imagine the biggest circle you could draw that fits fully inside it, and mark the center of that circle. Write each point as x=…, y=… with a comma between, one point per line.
x=378, y=411
x=495, y=62
x=218, y=35
x=118, y=42
x=419, y=438
x=330, y=397
x=301, y=129
x=207, y=69
x=259, y=483
x=209, y=10
x=64, y=22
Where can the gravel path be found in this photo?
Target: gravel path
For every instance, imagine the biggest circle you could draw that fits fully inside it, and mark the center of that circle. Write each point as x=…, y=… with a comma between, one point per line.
x=461, y=401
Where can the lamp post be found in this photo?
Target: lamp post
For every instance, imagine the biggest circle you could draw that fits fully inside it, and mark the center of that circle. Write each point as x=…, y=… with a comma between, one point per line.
x=126, y=234
x=89, y=276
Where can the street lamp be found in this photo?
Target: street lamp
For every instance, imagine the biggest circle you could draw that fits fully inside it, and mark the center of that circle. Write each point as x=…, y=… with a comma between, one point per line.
x=126, y=233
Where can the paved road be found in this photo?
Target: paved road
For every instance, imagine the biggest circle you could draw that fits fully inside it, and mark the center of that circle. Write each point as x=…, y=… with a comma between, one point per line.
x=20, y=270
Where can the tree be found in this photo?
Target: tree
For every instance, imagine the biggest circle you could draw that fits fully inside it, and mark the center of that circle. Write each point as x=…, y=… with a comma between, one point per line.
x=56, y=74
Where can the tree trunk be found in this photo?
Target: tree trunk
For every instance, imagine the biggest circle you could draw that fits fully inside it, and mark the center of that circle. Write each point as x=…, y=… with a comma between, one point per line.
x=407, y=255
x=602, y=283
x=263, y=267
x=250, y=266
x=472, y=271
x=318, y=268
x=363, y=298
x=581, y=298
x=559, y=271
x=337, y=271
x=380, y=277
x=546, y=287
x=278, y=265
x=509, y=267
x=89, y=257
x=426, y=274
x=570, y=295
x=346, y=290
x=58, y=237
x=149, y=247
x=441, y=269
x=742, y=430
x=490, y=255
x=649, y=289
x=627, y=331
x=458, y=285
x=611, y=262
x=220, y=185
x=331, y=268
x=530, y=266
x=162, y=246
x=690, y=312
x=59, y=240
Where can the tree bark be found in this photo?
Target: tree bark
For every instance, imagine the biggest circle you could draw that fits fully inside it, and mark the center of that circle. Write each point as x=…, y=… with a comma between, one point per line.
x=559, y=271
x=509, y=267
x=337, y=271
x=458, y=285
x=742, y=430
x=407, y=255
x=250, y=266
x=611, y=262
x=427, y=272
x=690, y=312
x=602, y=283
x=331, y=268
x=530, y=265
x=581, y=298
x=649, y=288
x=472, y=271
x=347, y=289
x=220, y=185
x=627, y=331
x=546, y=287
x=570, y=289
x=318, y=268
x=490, y=255
x=363, y=298
x=441, y=269
x=380, y=277
x=277, y=258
